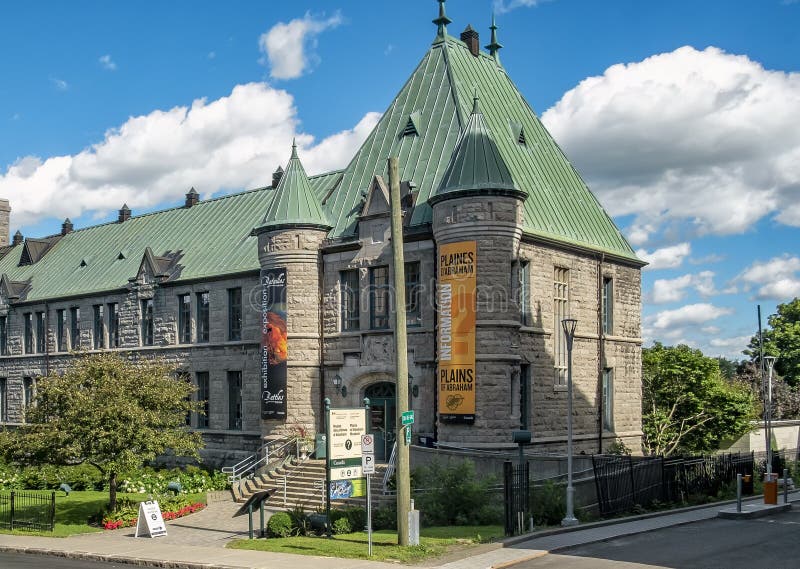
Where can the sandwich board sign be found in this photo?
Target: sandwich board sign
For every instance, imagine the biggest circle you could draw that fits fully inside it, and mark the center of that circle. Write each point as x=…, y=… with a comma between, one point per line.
x=150, y=522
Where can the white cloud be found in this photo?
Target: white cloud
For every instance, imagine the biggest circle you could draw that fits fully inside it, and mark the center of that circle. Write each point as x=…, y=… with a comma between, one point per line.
x=691, y=314
x=60, y=84
x=670, y=290
x=737, y=343
x=290, y=48
x=710, y=329
x=503, y=6
x=705, y=139
x=231, y=143
x=107, y=62
x=666, y=257
x=776, y=279
x=708, y=259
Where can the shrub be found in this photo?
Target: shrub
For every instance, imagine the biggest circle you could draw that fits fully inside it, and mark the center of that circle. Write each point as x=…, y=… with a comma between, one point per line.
x=385, y=517
x=342, y=525
x=299, y=520
x=279, y=525
x=548, y=503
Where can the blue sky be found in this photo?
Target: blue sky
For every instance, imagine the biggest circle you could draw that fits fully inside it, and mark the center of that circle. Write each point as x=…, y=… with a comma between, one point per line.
x=682, y=116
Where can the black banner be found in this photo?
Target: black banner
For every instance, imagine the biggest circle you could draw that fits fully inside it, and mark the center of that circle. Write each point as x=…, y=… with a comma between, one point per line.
x=274, y=344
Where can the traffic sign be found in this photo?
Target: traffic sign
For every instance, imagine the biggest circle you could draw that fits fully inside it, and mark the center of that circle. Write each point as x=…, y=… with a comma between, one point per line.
x=368, y=463
x=408, y=418
x=408, y=435
x=367, y=444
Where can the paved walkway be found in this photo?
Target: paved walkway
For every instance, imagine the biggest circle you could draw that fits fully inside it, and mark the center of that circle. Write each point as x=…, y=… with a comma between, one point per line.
x=198, y=542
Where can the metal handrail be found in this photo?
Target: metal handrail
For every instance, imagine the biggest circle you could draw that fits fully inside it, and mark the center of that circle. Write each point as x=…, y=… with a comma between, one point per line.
x=390, y=467
x=249, y=465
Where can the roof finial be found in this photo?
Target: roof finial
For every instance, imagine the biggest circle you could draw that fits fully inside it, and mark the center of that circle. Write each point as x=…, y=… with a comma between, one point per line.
x=294, y=148
x=494, y=47
x=442, y=21
x=475, y=100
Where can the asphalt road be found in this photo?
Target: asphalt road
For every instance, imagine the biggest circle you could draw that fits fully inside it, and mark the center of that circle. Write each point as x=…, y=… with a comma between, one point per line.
x=23, y=561
x=771, y=542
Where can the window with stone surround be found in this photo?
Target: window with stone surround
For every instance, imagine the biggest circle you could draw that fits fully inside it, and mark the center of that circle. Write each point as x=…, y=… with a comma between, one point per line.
x=3, y=400
x=28, y=317
x=560, y=312
x=75, y=327
x=113, y=325
x=41, y=334
x=3, y=335
x=99, y=327
x=185, y=319
x=349, y=300
x=608, y=399
x=607, y=315
x=234, y=314
x=202, y=395
x=379, y=298
x=203, y=322
x=147, y=322
x=61, y=330
x=235, y=400
x=524, y=283
x=28, y=392
x=413, y=294
x=524, y=396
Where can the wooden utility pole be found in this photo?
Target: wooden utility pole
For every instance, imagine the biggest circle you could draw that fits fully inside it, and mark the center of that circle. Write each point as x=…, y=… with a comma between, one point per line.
x=403, y=477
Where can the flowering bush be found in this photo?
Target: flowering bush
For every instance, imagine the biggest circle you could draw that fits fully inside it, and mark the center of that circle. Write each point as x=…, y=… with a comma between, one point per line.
x=193, y=480
x=128, y=511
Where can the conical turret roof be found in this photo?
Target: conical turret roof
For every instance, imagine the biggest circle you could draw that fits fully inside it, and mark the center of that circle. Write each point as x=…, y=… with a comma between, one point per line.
x=476, y=163
x=294, y=204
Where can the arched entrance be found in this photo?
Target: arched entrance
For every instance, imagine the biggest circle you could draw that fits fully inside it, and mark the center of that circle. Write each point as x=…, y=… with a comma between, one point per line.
x=382, y=417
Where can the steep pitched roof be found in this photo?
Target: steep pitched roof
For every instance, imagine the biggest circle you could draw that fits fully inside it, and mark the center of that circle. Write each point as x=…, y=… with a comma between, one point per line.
x=294, y=202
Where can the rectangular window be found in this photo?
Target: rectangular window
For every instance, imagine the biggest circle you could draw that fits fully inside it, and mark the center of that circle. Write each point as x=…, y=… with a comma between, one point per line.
x=41, y=333
x=235, y=400
x=27, y=392
x=608, y=306
x=202, y=394
x=28, y=316
x=147, y=322
x=202, y=317
x=99, y=328
x=524, y=293
x=3, y=400
x=608, y=399
x=234, y=314
x=413, y=294
x=351, y=313
x=3, y=335
x=560, y=312
x=113, y=325
x=379, y=298
x=185, y=319
x=524, y=396
x=75, y=327
x=61, y=330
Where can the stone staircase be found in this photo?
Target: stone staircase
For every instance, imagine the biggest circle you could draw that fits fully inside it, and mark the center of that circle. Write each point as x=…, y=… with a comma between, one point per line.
x=305, y=480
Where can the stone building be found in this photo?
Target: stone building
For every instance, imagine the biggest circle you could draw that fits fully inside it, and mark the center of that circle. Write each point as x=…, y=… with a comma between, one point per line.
x=502, y=241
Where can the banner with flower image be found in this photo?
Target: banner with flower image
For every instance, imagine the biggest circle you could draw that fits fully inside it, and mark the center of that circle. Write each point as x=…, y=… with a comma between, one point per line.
x=274, y=344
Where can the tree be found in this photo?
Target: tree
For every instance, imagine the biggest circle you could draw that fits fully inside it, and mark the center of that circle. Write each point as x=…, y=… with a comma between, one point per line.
x=687, y=406
x=785, y=398
x=109, y=412
x=782, y=340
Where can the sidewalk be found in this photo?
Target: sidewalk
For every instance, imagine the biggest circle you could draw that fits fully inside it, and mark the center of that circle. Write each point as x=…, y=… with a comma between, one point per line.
x=198, y=542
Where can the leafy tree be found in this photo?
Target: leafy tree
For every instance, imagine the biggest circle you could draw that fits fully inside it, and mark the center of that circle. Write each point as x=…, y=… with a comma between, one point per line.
x=785, y=398
x=687, y=406
x=107, y=411
x=782, y=340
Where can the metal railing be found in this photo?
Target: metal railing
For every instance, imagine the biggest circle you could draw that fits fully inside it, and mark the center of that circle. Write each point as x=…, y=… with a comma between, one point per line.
x=27, y=511
x=270, y=451
x=390, y=468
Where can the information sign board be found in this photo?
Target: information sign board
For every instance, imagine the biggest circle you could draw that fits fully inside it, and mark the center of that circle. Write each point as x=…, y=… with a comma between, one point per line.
x=150, y=521
x=408, y=434
x=346, y=428
x=408, y=418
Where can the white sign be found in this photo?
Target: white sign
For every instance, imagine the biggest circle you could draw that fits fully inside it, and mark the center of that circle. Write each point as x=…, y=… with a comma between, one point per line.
x=367, y=444
x=346, y=428
x=346, y=472
x=368, y=463
x=150, y=521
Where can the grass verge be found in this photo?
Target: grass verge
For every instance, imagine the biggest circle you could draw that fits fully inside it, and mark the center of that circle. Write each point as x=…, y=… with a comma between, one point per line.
x=434, y=542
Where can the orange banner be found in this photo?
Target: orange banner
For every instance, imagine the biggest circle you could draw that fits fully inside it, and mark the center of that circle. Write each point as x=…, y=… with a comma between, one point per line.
x=455, y=294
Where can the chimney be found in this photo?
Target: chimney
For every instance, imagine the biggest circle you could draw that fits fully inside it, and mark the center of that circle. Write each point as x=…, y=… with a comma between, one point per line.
x=5, y=221
x=470, y=37
x=66, y=227
x=124, y=213
x=192, y=198
x=18, y=238
x=276, y=177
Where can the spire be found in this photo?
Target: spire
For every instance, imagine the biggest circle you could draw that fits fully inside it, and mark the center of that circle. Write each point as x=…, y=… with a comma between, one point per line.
x=494, y=47
x=442, y=21
x=476, y=164
x=294, y=203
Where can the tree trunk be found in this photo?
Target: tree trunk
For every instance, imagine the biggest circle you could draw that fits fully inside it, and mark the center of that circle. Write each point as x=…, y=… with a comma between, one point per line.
x=112, y=491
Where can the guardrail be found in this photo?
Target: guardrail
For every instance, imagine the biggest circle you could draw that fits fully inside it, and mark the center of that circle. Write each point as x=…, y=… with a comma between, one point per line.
x=250, y=465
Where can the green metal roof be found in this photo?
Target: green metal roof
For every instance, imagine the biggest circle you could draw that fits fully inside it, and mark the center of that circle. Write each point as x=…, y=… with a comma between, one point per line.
x=294, y=202
x=476, y=163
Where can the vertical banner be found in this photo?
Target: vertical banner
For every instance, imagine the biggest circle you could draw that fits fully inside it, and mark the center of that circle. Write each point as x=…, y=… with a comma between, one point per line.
x=274, y=344
x=456, y=297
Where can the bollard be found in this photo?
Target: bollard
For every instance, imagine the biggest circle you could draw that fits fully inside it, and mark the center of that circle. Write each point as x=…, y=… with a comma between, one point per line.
x=785, y=485
x=738, y=493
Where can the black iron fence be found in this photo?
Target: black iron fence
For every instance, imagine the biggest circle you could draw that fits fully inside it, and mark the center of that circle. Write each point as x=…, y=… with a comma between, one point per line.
x=625, y=482
x=28, y=511
x=515, y=494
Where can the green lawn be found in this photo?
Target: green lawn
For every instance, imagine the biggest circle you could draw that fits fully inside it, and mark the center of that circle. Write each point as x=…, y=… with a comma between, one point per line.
x=434, y=541
x=73, y=511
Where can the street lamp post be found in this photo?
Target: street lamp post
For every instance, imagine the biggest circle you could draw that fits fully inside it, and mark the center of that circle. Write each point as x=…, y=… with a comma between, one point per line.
x=569, y=325
x=770, y=361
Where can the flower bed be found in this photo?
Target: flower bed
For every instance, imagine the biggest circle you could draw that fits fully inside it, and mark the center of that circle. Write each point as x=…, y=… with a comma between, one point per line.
x=127, y=515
